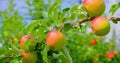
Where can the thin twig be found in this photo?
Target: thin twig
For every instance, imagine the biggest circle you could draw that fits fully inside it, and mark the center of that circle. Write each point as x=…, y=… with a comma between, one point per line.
x=115, y=18
x=85, y=20
x=90, y=19
x=8, y=57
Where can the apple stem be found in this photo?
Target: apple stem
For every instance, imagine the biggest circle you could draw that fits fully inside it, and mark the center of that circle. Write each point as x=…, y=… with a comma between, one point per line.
x=60, y=29
x=51, y=28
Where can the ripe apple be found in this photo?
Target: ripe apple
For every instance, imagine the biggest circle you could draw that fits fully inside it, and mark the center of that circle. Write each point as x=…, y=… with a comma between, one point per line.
x=94, y=7
x=25, y=44
x=100, y=26
x=55, y=40
x=30, y=57
x=93, y=42
x=111, y=54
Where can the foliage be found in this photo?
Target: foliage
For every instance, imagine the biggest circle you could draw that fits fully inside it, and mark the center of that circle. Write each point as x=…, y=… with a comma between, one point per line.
x=45, y=16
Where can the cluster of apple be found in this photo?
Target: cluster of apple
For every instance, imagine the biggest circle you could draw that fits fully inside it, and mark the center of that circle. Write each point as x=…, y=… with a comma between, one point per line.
x=110, y=54
x=100, y=25
x=55, y=40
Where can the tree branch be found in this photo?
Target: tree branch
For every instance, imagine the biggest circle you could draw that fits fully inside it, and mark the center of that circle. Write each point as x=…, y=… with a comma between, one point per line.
x=90, y=18
x=7, y=57
x=115, y=18
x=85, y=20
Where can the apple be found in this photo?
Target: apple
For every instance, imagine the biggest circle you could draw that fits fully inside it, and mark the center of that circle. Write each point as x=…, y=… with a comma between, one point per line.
x=93, y=42
x=100, y=26
x=111, y=54
x=30, y=57
x=25, y=44
x=55, y=40
x=94, y=7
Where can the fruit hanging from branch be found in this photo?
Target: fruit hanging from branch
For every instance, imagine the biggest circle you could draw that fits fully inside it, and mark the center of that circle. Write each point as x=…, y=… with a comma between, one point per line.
x=100, y=26
x=25, y=44
x=30, y=57
x=94, y=7
x=93, y=42
x=111, y=54
x=55, y=40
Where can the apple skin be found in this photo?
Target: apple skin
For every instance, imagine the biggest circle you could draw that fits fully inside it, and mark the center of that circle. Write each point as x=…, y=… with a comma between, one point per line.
x=93, y=42
x=24, y=39
x=55, y=40
x=111, y=54
x=94, y=8
x=30, y=57
x=100, y=26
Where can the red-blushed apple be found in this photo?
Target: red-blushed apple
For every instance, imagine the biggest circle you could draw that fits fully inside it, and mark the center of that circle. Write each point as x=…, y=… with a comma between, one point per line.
x=24, y=42
x=93, y=42
x=29, y=57
x=94, y=7
x=55, y=40
x=100, y=26
x=111, y=54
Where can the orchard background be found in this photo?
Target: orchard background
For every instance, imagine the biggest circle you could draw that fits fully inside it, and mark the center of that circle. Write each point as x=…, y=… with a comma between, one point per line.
x=82, y=45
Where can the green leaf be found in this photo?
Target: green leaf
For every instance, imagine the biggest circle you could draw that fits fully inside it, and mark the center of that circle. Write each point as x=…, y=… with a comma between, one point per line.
x=45, y=51
x=74, y=8
x=66, y=9
x=28, y=2
x=67, y=27
x=67, y=54
x=16, y=60
x=81, y=16
x=32, y=25
x=114, y=21
x=26, y=45
x=114, y=8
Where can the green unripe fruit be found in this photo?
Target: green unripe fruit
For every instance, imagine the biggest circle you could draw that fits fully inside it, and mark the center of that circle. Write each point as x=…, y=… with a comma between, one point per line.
x=55, y=40
x=94, y=7
x=30, y=57
x=100, y=26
